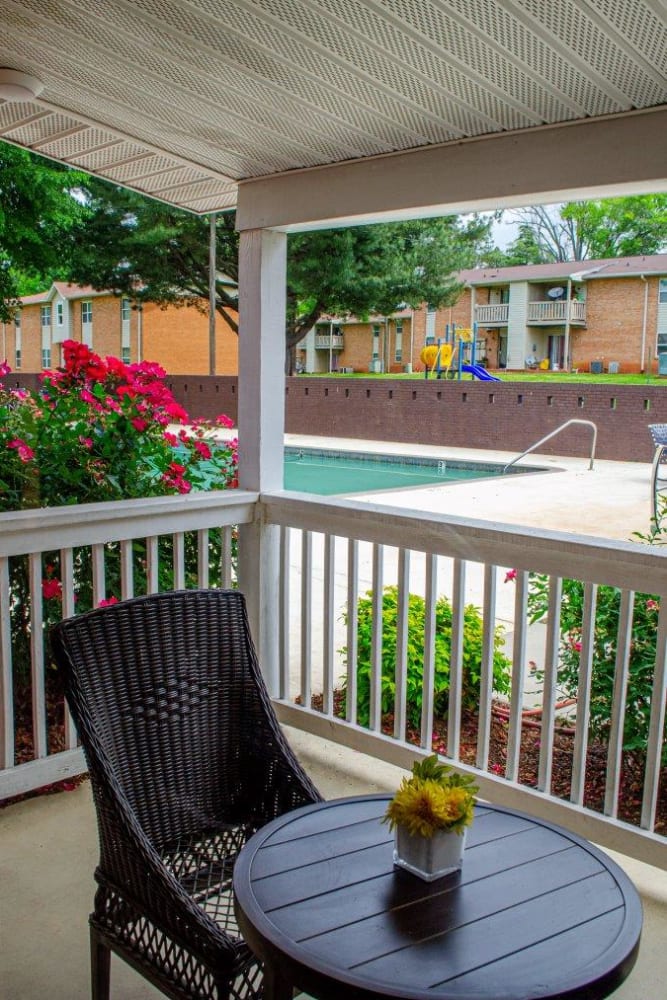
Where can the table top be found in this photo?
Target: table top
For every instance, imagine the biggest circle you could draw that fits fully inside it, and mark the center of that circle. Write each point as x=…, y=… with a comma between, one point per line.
x=536, y=911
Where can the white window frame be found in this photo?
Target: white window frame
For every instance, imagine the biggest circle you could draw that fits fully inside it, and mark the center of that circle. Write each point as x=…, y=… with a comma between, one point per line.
x=60, y=313
x=46, y=357
x=87, y=311
x=375, y=352
x=45, y=315
x=398, y=341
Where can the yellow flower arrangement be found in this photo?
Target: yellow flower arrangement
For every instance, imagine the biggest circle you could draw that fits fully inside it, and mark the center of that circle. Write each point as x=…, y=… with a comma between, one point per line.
x=434, y=798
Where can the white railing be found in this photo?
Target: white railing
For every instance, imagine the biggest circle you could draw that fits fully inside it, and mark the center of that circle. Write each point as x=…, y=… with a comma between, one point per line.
x=490, y=314
x=367, y=547
x=91, y=553
x=323, y=573
x=556, y=312
x=324, y=341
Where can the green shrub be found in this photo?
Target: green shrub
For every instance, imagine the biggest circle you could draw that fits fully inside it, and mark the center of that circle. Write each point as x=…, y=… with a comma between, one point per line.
x=605, y=640
x=472, y=655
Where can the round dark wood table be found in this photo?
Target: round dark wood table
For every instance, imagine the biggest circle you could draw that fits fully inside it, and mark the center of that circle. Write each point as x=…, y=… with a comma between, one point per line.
x=536, y=911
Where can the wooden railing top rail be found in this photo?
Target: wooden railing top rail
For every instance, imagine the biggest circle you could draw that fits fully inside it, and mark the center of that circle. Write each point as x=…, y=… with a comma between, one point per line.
x=631, y=565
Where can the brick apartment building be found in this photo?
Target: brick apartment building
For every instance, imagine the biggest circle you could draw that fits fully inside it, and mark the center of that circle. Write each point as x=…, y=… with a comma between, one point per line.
x=176, y=337
x=595, y=315
x=592, y=315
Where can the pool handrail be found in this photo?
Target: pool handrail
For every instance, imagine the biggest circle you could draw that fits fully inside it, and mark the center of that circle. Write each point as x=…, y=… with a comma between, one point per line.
x=553, y=433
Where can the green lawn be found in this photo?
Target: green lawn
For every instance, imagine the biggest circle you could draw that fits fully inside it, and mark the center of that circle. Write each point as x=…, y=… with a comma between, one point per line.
x=580, y=377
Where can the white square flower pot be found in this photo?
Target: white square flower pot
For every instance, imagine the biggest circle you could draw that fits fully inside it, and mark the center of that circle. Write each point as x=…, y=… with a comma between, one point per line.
x=429, y=857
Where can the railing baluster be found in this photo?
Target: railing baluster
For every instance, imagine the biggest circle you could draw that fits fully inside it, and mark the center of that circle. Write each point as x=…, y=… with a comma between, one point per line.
x=69, y=610
x=6, y=679
x=329, y=618
x=580, y=749
x=428, y=676
x=518, y=676
x=226, y=556
x=549, y=691
x=654, y=746
x=179, y=560
x=486, y=673
x=126, y=570
x=621, y=672
x=152, y=565
x=352, y=622
x=456, y=661
x=40, y=740
x=284, y=612
x=306, y=616
x=376, y=638
x=202, y=558
x=401, y=676
x=99, y=576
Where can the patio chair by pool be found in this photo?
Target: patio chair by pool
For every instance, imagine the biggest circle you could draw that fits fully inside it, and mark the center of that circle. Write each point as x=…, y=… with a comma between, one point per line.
x=659, y=468
x=186, y=761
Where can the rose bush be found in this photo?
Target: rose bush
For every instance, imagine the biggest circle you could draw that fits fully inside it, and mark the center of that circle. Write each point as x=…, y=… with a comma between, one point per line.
x=101, y=430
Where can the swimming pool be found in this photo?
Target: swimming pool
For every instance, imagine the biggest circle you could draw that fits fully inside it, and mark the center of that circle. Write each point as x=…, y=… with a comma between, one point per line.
x=330, y=472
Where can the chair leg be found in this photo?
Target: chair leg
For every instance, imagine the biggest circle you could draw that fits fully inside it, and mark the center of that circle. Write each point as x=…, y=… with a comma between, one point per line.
x=100, y=967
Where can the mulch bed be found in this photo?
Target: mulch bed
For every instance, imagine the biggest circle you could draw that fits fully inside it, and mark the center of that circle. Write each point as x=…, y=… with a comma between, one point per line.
x=23, y=736
x=632, y=770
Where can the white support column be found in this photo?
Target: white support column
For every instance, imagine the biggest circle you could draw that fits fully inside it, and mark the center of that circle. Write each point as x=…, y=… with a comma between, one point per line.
x=262, y=301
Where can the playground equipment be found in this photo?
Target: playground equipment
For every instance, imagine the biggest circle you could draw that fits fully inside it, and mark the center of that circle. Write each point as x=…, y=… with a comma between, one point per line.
x=459, y=343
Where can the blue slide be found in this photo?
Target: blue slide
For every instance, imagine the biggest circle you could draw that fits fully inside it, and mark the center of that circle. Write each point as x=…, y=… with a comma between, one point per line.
x=480, y=373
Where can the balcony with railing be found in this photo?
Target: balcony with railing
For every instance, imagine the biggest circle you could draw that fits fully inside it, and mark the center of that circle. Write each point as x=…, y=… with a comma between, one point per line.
x=326, y=341
x=557, y=312
x=492, y=315
x=329, y=554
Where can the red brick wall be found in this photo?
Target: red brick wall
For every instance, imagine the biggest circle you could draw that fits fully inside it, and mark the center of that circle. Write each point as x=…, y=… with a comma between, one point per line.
x=506, y=416
x=177, y=338
x=509, y=416
x=614, y=323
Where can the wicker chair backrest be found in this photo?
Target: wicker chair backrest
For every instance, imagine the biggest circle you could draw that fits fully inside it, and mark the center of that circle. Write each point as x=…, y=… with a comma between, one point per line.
x=170, y=705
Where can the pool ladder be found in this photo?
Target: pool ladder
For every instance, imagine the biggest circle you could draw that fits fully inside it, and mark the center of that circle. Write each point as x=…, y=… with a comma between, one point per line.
x=547, y=437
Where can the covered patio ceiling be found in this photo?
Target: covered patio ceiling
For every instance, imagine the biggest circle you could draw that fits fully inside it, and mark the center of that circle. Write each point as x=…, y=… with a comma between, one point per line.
x=419, y=105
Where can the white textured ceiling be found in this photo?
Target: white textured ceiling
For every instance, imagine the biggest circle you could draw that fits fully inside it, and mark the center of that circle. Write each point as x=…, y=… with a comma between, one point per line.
x=181, y=99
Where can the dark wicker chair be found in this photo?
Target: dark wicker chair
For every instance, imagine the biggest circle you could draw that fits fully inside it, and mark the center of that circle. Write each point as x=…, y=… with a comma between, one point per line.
x=186, y=760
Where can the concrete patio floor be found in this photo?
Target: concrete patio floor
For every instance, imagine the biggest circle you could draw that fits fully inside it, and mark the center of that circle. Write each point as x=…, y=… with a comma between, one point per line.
x=48, y=850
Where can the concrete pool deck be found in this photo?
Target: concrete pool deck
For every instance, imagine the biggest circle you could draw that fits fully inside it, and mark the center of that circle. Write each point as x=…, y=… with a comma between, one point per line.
x=611, y=501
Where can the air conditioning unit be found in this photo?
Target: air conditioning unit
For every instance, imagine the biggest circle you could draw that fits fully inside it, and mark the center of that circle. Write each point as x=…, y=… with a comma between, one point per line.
x=346, y=371
x=596, y=368
x=375, y=367
x=614, y=367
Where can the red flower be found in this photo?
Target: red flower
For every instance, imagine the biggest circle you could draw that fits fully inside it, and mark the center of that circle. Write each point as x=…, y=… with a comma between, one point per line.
x=510, y=575
x=51, y=588
x=203, y=449
x=26, y=454
x=224, y=421
x=139, y=424
x=106, y=601
x=4, y=368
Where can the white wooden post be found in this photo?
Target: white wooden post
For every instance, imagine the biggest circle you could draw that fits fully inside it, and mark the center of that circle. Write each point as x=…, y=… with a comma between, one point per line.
x=261, y=420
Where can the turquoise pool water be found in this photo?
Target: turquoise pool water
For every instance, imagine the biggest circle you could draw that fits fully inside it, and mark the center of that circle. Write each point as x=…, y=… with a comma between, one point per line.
x=329, y=472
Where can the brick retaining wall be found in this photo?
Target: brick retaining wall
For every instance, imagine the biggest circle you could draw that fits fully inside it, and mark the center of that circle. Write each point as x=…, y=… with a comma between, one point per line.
x=502, y=415
x=509, y=416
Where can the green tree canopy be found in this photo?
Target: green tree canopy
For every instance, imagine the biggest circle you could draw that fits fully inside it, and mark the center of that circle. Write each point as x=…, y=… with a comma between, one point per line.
x=38, y=212
x=590, y=230
x=140, y=247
